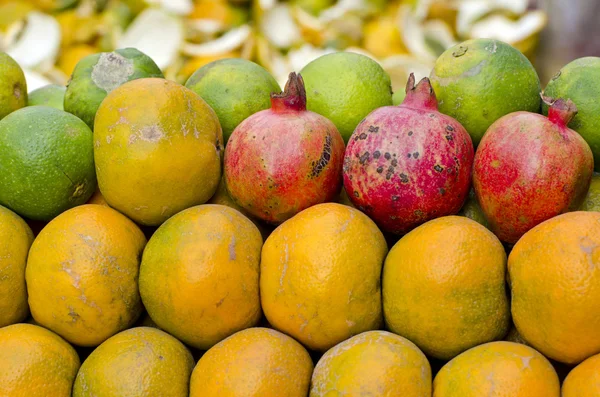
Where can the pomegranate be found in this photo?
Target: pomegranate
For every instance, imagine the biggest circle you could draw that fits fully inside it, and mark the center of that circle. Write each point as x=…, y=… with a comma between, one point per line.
x=285, y=159
x=529, y=168
x=407, y=164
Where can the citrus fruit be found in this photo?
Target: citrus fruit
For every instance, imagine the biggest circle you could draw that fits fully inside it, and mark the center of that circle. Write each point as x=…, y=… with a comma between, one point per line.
x=322, y=288
x=35, y=362
x=199, y=274
x=446, y=266
x=82, y=274
x=97, y=75
x=15, y=239
x=481, y=80
x=256, y=362
x=52, y=95
x=592, y=199
x=579, y=81
x=374, y=363
x=140, y=361
x=345, y=87
x=584, y=379
x=46, y=162
x=514, y=336
x=97, y=198
x=13, y=87
x=235, y=89
x=472, y=210
x=497, y=369
x=157, y=147
x=555, y=286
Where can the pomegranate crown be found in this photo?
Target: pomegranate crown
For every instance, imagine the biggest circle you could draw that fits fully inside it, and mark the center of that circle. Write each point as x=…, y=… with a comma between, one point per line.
x=420, y=96
x=561, y=111
x=293, y=96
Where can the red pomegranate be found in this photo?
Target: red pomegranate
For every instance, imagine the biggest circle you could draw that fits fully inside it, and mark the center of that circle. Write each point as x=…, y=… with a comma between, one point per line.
x=407, y=164
x=285, y=159
x=529, y=168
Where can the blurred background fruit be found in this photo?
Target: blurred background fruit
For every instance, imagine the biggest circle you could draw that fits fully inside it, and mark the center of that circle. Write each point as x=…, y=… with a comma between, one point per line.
x=48, y=37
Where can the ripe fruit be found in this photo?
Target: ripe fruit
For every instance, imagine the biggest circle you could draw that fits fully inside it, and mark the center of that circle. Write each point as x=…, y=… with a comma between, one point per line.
x=447, y=266
x=320, y=275
x=374, y=363
x=82, y=274
x=13, y=87
x=137, y=362
x=157, y=147
x=199, y=275
x=285, y=159
x=579, y=81
x=256, y=362
x=592, y=199
x=235, y=89
x=584, y=379
x=472, y=210
x=15, y=239
x=35, y=362
x=555, y=286
x=407, y=164
x=50, y=95
x=46, y=162
x=97, y=75
x=497, y=369
x=529, y=168
x=481, y=80
x=345, y=87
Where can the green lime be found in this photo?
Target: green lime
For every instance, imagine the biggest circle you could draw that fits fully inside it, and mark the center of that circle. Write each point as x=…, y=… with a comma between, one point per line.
x=98, y=74
x=481, y=80
x=46, y=162
x=472, y=210
x=235, y=89
x=13, y=87
x=579, y=81
x=345, y=87
x=592, y=200
x=50, y=95
x=398, y=97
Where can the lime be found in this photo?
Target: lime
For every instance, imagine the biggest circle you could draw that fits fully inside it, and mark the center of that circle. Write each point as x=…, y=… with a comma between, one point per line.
x=98, y=74
x=235, y=89
x=50, y=95
x=472, y=210
x=13, y=88
x=46, y=162
x=481, y=80
x=592, y=200
x=345, y=87
x=579, y=81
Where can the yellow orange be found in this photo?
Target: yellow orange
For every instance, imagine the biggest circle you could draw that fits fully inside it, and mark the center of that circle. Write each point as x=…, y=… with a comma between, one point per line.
x=584, y=379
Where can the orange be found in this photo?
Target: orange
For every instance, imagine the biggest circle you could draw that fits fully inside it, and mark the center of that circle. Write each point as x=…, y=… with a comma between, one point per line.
x=137, y=362
x=199, y=275
x=374, y=363
x=82, y=274
x=97, y=198
x=320, y=275
x=444, y=287
x=554, y=274
x=256, y=362
x=157, y=147
x=15, y=239
x=35, y=362
x=584, y=379
x=497, y=369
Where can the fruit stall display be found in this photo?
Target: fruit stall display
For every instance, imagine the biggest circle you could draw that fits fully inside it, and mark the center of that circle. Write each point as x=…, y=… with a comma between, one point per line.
x=179, y=220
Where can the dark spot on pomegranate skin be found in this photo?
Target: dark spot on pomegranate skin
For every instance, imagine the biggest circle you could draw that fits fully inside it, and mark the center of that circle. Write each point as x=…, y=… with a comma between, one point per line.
x=449, y=137
x=356, y=194
x=387, y=156
x=362, y=136
x=409, y=155
x=403, y=178
x=379, y=170
x=388, y=176
x=438, y=168
x=450, y=128
x=376, y=154
x=442, y=191
x=324, y=159
x=372, y=128
x=394, y=162
x=410, y=133
x=395, y=198
x=364, y=158
x=416, y=155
